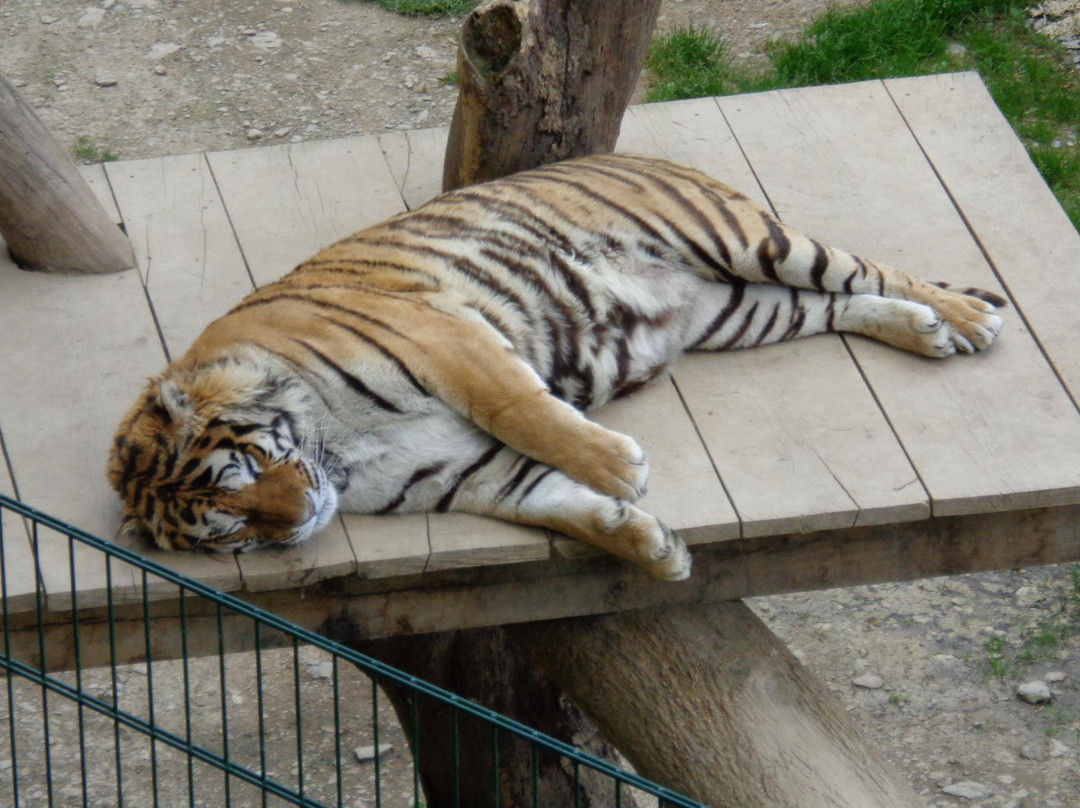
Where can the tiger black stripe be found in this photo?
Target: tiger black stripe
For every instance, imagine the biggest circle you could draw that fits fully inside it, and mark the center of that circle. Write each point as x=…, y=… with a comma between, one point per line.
x=418, y=475
x=381, y=349
x=738, y=291
x=699, y=252
x=532, y=486
x=744, y=326
x=773, y=249
x=324, y=304
x=798, y=317
x=526, y=218
x=527, y=465
x=352, y=381
x=723, y=266
x=768, y=324
x=821, y=264
x=444, y=504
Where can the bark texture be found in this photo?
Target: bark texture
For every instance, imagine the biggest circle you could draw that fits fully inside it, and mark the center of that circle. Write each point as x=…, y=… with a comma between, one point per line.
x=705, y=700
x=543, y=81
x=481, y=666
x=49, y=217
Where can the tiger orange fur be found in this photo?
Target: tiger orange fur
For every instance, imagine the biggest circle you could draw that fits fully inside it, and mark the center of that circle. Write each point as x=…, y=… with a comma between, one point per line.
x=441, y=361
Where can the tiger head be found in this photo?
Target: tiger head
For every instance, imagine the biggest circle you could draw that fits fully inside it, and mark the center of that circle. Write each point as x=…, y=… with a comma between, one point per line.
x=208, y=459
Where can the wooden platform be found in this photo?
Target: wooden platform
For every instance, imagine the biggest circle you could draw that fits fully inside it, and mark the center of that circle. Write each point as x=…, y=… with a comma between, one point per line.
x=823, y=462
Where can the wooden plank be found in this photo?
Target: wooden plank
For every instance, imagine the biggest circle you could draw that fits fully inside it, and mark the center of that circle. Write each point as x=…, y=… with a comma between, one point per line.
x=389, y=546
x=74, y=353
x=286, y=202
x=352, y=608
x=798, y=441
x=415, y=159
x=462, y=540
x=684, y=491
x=20, y=574
x=812, y=449
x=1015, y=216
x=967, y=423
x=186, y=251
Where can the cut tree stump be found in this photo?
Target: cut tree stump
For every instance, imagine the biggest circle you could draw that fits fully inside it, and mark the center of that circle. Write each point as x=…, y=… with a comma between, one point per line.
x=541, y=82
x=49, y=217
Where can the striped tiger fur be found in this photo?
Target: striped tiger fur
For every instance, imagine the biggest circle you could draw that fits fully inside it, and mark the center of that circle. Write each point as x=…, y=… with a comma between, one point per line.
x=440, y=361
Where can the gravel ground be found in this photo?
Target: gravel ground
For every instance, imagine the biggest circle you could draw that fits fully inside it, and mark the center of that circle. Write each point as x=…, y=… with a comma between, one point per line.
x=930, y=669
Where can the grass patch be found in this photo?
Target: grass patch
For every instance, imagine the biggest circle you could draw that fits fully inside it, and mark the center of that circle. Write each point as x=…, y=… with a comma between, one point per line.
x=429, y=8
x=86, y=151
x=1040, y=641
x=1025, y=72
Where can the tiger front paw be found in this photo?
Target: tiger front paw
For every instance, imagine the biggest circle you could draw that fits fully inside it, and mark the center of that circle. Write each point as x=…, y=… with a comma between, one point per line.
x=614, y=465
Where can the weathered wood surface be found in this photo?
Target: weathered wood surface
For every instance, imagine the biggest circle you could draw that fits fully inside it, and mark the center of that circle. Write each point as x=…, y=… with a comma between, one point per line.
x=49, y=217
x=821, y=435
x=748, y=725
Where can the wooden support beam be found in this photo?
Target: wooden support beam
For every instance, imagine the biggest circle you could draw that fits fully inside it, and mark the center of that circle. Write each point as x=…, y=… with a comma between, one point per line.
x=704, y=699
x=462, y=599
x=49, y=217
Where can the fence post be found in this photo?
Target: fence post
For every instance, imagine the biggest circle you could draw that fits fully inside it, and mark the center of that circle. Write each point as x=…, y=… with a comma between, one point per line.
x=49, y=216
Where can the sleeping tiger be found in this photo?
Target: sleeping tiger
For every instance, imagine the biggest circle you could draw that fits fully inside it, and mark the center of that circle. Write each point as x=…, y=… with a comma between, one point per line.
x=441, y=361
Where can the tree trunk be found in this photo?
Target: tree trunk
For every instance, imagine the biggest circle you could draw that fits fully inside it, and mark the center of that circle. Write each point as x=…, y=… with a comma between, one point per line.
x=49, y=217
x=482, y=667
x=705, y=700
x=543, y=81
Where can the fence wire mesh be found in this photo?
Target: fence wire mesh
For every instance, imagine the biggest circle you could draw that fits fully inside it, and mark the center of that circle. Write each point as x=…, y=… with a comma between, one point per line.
x=228, y=705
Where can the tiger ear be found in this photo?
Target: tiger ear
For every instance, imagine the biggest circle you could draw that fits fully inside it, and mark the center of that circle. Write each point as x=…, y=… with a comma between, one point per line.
x=176, y=402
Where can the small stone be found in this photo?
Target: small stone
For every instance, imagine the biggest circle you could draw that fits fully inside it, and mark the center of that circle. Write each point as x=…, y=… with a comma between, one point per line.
x=1034, y=692
x=1030, y=751
x=869, y=681
x=1056, y=749
x=266, y=40
x=253, y=134
x=104, y=79
x=1054, y=677
x=91, y=18
x=317, y=668
x=365, y=754
x=425, y=52
x=48, y=19
x=160, y=70
x=956, y=50
x=281, y=132
x=969, y=790
x=159, y=50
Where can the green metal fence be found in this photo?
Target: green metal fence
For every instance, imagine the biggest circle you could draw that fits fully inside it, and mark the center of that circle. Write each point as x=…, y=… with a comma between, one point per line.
x=283, y=722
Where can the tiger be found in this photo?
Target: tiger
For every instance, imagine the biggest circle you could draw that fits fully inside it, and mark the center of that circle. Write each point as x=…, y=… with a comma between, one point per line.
x=444, y=359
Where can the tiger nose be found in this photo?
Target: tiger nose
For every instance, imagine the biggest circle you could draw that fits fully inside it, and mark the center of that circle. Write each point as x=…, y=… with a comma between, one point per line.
x=309, y=511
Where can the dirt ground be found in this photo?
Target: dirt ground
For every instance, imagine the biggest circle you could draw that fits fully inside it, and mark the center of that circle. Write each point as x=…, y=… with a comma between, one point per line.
x=930, y=669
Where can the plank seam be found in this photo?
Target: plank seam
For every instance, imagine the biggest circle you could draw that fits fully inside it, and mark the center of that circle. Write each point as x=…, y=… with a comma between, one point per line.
x=229, y=219
x=847, y=347
x=985, y=253
x=708, y=454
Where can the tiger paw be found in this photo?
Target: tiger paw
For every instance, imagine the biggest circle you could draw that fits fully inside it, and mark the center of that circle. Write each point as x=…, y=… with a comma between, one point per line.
x=973, y=323
x=615, y=466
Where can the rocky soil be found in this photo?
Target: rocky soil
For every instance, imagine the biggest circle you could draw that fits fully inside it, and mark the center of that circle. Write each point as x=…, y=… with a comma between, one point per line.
x=930, y=669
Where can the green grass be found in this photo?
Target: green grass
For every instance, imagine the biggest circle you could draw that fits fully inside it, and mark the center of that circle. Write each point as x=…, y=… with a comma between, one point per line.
x=86, y=151
x=1040, y=641
x=429, y=8
x=1025, y=72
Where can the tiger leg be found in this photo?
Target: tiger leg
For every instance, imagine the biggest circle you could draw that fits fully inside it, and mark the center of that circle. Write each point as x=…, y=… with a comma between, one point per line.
x=774, y=253
x=732, y=316
x=518, y=489
x=473, y=369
